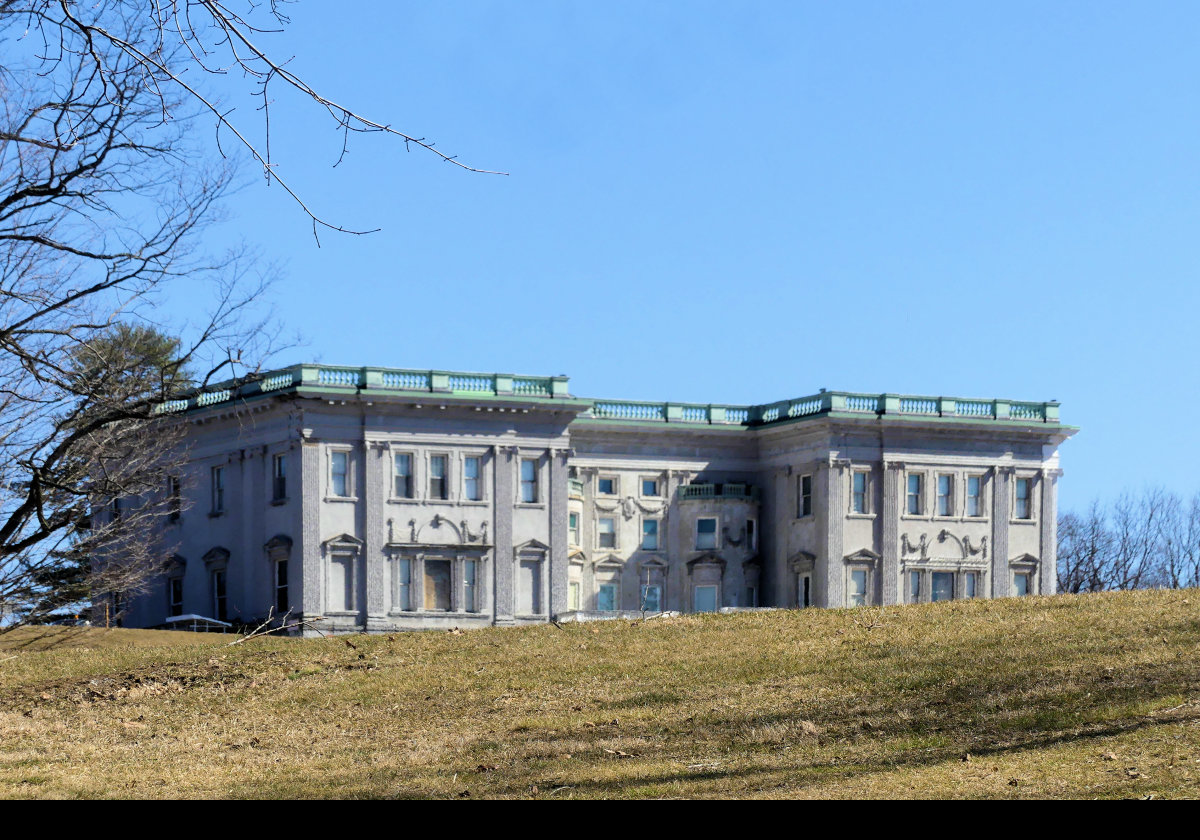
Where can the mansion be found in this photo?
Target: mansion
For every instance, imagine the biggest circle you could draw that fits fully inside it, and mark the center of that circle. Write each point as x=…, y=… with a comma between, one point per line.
x=374, y=499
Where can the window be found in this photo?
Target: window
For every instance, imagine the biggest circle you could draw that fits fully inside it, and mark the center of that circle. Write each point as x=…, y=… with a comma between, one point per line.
x=706, y=533
x=402, y=475
x=116, y=509
x=858, y=588
x=914, y=494
x=1024, y=508
x=281, y=587
x=573, y=595
x=1021, y=583
x=278, y=478
x=437, y=477
x=804, y=496
x=220, y=596
x=606, y=532
x=573, y=528
x=858, y=493
x=943, y=586
x=342, y=583
x=403, y=585
x=606, y=485
x=974, y=495
x=606, y=597
x=650, y=534
x=218, y=489
x=914, y=587
x=704, y=599
x=971, y=584
x=437, y=585
x=751, y=596
x=752, y=535
x=529, y=481
x=804, y=590
x=339, y=474
x=470, y=570
x=530, y=587
x=472, y=472
x=649, y=487
x=174, y=499
x=175, y=596
x=652, y=598
x=945, y=495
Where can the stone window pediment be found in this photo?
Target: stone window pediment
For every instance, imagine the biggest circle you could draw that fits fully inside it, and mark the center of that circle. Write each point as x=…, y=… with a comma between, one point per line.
x=863, y=556
x=343, y=543
x=216, y=556
x=802, y=561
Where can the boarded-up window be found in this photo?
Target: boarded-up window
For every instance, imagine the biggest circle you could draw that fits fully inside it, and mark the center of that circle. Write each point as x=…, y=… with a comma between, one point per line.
x=342, y=583
x=530, y=587
x=437, y=585
x=705, y=599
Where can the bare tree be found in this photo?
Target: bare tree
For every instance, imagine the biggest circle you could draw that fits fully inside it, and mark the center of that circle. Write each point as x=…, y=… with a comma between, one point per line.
x=102, y=206
x=1084, y=551
x=1178, y=564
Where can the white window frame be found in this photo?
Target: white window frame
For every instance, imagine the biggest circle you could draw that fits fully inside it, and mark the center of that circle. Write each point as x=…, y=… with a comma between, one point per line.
x=172, y=604
x=868, y=587
x=920, y=494
x=937, y=495
x=402, y=592
x=657, y=533
x=217, y=598
x=447, y=491
x=1032, y=485
x=616, y=484
x=353, y=563
x=350, y=468
x=982, y=496
x=751, y=534
x=279, y=471
x=716, y=546
x=573, y=531
x=801, y=513
x=537, y=481
x=480, y=479
x=281, y=564
x=801, y=579
x=412, y=475
x=217, y=479
x=614, y=532
x=657, y=487
x=866, y=492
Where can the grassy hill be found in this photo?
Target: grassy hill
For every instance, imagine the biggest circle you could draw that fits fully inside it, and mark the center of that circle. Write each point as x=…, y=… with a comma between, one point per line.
x=1090, y=696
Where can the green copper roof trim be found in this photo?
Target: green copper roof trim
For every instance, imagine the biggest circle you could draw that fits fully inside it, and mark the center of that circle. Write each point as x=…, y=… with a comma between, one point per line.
x=459, y=387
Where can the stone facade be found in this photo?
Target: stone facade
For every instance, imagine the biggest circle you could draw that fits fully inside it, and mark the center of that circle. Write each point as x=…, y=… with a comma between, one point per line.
x=379, y=500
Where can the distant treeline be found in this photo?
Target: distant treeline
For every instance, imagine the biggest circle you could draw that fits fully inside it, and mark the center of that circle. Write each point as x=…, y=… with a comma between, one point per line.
x=1141, y=541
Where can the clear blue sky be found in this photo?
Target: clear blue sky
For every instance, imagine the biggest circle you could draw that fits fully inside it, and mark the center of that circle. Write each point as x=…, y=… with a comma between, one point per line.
x=747, y=202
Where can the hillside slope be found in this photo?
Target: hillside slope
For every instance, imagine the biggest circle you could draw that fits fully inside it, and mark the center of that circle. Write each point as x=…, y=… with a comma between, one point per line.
x=1089, y=696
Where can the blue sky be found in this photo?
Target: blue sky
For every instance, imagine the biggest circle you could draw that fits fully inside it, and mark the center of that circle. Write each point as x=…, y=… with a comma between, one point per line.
x=746, y=202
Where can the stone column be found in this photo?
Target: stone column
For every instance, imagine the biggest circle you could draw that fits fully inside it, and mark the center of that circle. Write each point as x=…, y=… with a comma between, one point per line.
x=503, y=599
x=1048, y=568
x=676, y=543
x=892, y=473
x=372, y=502
x=829, y=571
x=560, y=567
x=311, y=492
x=1001, y=502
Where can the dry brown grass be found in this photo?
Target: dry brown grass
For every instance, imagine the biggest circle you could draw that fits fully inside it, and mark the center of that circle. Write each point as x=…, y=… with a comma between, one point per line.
x=1093, y=696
